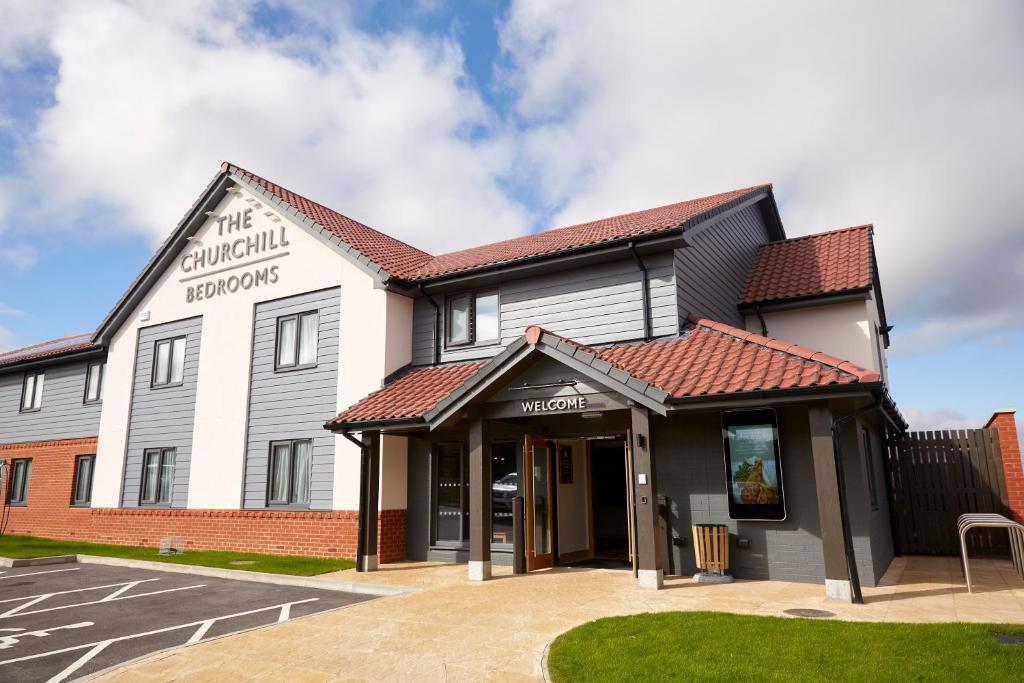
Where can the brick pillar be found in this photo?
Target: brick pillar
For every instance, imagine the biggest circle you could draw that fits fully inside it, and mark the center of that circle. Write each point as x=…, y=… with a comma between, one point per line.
x=1009, y=444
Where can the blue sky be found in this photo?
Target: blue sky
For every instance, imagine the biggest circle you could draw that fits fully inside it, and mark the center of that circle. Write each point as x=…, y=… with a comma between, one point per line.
x=451, y=124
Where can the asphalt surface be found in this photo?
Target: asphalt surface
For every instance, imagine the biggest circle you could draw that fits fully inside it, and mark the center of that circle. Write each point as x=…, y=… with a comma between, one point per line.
x=60, y=622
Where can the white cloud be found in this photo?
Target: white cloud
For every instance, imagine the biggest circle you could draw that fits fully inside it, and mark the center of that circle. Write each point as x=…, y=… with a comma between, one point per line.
x=20, y=257
x=905, y=114
x=6, y=340
x=151, y=97
x=942, y=418
x=10, y=310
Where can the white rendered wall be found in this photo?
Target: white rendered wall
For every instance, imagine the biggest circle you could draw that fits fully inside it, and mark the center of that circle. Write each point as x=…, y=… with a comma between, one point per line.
x=844, y=330
x=222, y=393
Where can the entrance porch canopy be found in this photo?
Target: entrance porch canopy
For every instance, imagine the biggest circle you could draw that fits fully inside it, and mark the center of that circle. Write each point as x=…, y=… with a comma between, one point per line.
x=709, y=362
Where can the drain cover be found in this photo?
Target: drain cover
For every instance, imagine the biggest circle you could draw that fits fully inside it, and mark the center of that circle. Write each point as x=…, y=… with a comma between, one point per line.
x=811, y=613
x=1007, y=639
x=242, y=563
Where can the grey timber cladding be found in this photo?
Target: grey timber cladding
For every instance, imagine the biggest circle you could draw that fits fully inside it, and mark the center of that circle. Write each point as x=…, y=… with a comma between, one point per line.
x=712, y=271
x=293, y=404
x=162, y=417
x=63, y=415
x=592, y=305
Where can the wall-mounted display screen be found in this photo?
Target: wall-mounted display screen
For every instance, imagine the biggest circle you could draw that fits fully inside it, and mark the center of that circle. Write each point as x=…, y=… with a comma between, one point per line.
x=753, y=465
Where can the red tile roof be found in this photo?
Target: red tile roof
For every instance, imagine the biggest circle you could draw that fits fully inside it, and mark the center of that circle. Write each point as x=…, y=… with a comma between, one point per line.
x=411, y=395
x=710, y=359
x=826, y=263
x=408, y=263
x=54, y=347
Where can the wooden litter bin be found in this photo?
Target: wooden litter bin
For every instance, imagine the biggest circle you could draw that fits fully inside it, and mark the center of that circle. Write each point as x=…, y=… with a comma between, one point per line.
x=711, y=548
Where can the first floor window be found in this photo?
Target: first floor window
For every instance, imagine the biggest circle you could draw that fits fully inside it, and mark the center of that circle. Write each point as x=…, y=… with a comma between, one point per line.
x=169, y=362
x=32, y=392
x=297, y=338
x=94, y=382
x=458, y=319
x=472, y=319
x=81, y=494
x=157, y=475
x=291, y=464
x=18, y=488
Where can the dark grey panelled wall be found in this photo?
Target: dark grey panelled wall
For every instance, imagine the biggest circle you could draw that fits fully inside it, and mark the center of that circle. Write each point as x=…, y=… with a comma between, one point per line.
x=293, y=404
x=712, y=272
x=162, y=417
x=64, y=414
x=592, y=305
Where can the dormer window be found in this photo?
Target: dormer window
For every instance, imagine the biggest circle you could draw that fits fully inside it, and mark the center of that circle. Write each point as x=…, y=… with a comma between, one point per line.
x=472, y=319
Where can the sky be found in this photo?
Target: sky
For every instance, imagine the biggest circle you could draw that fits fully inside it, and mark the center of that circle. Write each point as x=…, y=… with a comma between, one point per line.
x=454, y=124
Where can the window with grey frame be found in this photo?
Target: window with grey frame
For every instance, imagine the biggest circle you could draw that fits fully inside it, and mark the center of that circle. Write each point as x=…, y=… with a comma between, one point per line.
x=94, y=382
x=169, y=362
x=451, y=492
x=17, y=491
x=290, y=472
x=32, y=392
x=157, y=476
x=81, y=492
x=472, y=318
x=297, y=340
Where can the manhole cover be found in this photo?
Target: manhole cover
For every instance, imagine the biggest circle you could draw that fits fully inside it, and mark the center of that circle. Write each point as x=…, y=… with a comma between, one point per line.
x=810, y=613
x=242, y=563
x=1007, y=639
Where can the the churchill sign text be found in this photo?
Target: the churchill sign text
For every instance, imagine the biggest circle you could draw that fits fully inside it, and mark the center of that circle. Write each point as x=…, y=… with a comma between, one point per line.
x=245, y=249
x=551, y=404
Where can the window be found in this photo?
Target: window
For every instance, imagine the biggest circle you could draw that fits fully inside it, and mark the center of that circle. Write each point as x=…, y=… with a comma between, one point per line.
x=32, y=392
x=451, y=496
x=157, y=476
x=473, y=319
x=753, y=465
x=17, y=493
x=94, y=382
x=297, y=341
x=169, y=362
x=451, y=492
x=869, y=469
x=291, y=463
x=81, y=494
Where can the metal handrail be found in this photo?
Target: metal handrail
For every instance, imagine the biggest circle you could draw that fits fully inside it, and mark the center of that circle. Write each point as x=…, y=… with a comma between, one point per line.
x=979, y=520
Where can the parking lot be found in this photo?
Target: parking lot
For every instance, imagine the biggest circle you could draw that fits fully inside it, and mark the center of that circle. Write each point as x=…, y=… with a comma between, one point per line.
x=60, y=622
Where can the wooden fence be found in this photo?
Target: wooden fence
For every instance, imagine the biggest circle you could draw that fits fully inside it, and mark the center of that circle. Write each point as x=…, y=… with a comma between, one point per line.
x=936, y=476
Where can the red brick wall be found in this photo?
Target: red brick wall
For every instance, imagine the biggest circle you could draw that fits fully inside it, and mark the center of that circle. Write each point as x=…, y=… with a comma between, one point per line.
x=1009, y=445
x=315, y=534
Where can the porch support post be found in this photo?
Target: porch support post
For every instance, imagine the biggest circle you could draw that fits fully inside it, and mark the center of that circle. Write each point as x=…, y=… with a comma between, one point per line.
x=826, y=481
x=648, y=554
x=369, y=496
x=479, y=501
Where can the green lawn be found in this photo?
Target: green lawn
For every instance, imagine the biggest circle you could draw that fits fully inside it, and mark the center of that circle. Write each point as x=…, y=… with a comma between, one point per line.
x=19, y=547
x=711, y=646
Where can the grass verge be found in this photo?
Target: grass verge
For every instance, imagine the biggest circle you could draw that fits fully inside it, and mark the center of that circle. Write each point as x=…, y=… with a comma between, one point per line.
x=711, y=646
x=20, y=547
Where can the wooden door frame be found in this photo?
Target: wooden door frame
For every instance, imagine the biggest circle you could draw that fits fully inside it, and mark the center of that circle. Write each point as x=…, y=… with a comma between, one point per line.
x=533, y=561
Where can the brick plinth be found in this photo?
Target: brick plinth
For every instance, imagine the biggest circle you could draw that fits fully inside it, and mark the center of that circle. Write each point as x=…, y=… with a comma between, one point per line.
x=287, y=532
x=1009, y=444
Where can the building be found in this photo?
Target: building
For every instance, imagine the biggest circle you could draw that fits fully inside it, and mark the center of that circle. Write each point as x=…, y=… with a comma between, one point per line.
x=281, y=378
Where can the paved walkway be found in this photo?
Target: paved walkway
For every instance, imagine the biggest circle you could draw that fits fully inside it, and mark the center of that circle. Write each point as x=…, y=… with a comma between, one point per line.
x=454, y=630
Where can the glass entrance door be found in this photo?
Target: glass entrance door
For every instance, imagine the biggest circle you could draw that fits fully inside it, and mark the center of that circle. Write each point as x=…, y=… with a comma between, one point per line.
x=539, y=518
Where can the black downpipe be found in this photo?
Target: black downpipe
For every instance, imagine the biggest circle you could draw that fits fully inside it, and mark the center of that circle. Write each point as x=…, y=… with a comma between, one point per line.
x=760, y=316
x=844, y=515
x=645, y=292
x=437, y=325
x=364, y=468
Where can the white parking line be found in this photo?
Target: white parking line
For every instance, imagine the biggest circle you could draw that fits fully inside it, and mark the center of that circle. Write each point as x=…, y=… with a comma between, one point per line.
x=48, y=571
x=98, y=647
x=42, y=596
x=102, y=600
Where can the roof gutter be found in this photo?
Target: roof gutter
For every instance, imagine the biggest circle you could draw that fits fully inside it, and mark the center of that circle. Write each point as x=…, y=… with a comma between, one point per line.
x=70, y=356
x=645, y=291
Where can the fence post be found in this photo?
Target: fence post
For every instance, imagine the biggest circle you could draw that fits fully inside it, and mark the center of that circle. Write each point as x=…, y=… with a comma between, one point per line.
x=1009, y=444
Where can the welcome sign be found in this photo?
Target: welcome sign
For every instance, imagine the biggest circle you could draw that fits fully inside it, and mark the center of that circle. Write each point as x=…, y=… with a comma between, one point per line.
x=555, y=404
x=246, y=249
